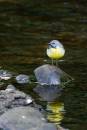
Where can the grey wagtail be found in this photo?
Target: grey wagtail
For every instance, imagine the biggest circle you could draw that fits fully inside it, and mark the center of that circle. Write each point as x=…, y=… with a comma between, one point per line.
x=55, y=50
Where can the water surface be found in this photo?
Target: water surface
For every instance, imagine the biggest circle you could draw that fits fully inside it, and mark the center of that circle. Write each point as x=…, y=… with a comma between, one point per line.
x=25, y=30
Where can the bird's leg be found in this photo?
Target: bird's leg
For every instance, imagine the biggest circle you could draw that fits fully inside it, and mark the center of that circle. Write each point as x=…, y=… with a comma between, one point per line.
x=56, y=62
x=52, y=61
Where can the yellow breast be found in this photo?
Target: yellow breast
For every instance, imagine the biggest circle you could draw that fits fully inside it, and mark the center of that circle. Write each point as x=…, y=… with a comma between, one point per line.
x=55, y=53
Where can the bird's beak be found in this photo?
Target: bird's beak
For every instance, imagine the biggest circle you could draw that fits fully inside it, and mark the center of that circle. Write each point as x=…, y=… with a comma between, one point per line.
x=49, y=44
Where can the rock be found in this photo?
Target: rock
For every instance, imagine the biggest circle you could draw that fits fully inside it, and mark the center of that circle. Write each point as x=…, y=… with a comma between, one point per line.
x=24, y=118
x=48, y=92
x=48, y=74
x=22, y=79
x=5, y=75
x=11, y=98
x=10, y=88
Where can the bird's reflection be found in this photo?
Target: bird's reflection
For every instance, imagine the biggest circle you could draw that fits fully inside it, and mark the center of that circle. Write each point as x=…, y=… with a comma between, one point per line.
x=48, y=92
x=54, y=109
x=55, y=112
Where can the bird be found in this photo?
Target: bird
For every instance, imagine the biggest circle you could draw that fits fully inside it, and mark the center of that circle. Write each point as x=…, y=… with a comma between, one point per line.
x=55, y=50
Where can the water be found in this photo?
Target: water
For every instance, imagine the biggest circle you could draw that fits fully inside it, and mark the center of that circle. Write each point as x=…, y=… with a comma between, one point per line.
x=25, y=30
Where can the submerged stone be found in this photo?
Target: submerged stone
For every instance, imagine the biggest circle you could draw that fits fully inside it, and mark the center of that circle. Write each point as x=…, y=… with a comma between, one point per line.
x=24, y=118
x=48, y=92
x=22, y=79
x=48, y=74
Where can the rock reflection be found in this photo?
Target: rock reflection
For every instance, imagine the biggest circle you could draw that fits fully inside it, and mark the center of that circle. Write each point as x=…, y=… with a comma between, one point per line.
x=48, y=92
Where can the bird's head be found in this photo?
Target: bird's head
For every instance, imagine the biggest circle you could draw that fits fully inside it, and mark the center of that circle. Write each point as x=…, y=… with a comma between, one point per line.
x=55, y=44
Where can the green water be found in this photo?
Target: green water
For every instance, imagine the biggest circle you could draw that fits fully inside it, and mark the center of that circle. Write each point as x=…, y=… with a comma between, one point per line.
x=25, y=29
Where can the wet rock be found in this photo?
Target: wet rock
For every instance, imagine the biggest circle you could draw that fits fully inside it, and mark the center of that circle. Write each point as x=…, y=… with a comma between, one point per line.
x=10, y=88
x=11, y=98
x=48, y=93
x=24, y=118
x=5, y=75
x=22, y=79
x=48, y=74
